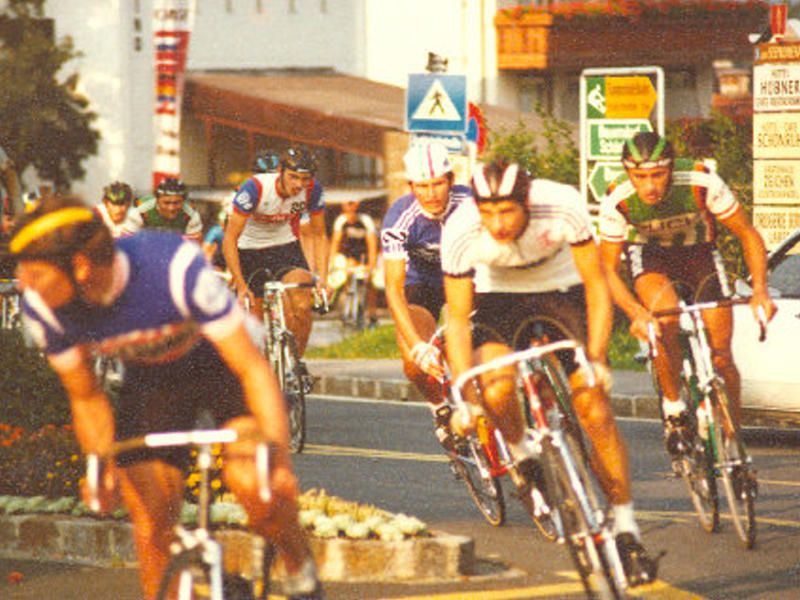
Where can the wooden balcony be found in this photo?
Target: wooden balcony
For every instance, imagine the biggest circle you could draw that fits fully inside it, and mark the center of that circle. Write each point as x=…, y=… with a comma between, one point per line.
x=545, y=41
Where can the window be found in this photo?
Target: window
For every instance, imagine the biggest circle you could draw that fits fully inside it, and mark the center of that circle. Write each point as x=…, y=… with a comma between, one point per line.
x=680, y=79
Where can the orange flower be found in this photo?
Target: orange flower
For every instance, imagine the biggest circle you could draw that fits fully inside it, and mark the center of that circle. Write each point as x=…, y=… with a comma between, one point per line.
x=15, y=577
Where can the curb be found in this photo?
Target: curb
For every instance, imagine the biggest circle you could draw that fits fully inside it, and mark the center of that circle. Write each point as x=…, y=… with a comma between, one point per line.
x=106, y=543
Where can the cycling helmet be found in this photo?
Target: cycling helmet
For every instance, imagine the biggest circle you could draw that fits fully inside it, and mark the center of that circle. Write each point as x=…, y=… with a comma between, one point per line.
x=266, y=161
x=56, y=229
x=171, y=186
x=298, y=159
x=426, y=161
x=647, y=150
x=498, y=181
x=118, y=193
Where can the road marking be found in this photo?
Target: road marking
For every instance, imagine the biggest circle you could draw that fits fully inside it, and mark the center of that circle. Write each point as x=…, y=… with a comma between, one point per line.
x=327, y=450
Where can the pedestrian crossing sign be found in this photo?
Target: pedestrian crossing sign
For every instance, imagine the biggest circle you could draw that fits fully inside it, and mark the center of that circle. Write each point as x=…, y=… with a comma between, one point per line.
x=436, y=102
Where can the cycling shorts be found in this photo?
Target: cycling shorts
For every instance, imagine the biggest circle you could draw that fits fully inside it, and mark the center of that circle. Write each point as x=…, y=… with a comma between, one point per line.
x=272, y=263
x=428, y=297
x=515, y=319
x=698, y=270
x=169, y=397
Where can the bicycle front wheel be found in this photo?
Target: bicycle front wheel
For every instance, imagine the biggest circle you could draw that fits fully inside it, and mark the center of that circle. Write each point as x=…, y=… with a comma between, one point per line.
x=294, y=394
x=738, y=477
x=472, y=464
x=591, y=546
x=187, y=578
x=697, y=471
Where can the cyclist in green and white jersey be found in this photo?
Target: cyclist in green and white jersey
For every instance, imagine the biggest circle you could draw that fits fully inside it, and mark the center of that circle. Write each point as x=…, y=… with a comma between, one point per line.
x=169, y=210
x=662, y=213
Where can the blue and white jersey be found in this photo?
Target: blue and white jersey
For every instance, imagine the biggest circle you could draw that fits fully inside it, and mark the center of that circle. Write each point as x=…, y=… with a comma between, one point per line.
x=273, y=220
x=411, y=236
x=164, y=299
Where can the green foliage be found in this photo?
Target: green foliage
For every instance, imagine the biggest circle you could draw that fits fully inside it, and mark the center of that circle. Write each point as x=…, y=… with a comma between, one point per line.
x=552, y=154
x=379, y=342
x=31, y=395
x=730, y=143
x=46, y=122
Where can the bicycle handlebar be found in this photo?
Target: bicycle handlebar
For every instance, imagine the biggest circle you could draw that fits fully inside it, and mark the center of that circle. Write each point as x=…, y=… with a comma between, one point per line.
x=517, y=357
x=175, y=439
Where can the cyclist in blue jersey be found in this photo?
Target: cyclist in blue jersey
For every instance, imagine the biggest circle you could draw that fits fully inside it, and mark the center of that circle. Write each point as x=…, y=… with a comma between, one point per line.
x=410, y=239
x=152, y=301
x=662, y=214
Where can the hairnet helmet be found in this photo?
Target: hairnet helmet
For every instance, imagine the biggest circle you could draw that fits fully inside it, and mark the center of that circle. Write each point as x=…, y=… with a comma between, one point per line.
x=426, y=161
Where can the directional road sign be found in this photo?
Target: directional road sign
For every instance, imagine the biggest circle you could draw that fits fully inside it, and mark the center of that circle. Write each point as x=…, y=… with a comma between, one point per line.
x=436, y=102
x=606, y=136
x=602, y=175
x=620, y=97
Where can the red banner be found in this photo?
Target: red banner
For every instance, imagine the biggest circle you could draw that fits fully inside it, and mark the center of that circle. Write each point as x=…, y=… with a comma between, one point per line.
x=777, y=19
x=172, y=24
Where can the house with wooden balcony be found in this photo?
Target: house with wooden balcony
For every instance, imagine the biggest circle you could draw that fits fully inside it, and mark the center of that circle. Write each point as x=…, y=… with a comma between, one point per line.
x=542, y=47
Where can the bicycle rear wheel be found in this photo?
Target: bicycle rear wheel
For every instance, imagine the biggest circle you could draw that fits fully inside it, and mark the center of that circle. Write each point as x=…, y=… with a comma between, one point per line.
x=293, y=393
x=738, y=477
x=591, y=546
x=472, y=464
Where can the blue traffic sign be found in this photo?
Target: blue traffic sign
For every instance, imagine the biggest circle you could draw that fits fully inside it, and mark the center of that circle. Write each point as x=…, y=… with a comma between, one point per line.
x=436, y=102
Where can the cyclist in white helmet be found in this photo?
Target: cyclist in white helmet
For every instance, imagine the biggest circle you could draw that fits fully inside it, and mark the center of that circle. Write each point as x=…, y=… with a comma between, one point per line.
x=410, y=241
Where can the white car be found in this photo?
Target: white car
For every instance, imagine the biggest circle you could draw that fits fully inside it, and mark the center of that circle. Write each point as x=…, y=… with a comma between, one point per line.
x=770, y=370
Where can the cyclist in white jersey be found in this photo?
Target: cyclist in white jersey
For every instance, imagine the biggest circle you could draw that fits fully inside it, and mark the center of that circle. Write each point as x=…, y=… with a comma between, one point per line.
x=523, y=250
x=113, y=208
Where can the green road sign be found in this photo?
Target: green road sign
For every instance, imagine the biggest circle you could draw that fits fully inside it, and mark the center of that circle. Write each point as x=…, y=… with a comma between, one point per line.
x=596, y=97
x=602, y=175
x=606, y=136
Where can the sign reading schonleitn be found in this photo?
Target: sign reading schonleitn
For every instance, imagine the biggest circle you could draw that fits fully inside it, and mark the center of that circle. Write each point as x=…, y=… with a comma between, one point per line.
x=776, y=135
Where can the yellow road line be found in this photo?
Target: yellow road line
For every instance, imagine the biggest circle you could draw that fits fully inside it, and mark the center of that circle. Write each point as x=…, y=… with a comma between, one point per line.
x=373, y=453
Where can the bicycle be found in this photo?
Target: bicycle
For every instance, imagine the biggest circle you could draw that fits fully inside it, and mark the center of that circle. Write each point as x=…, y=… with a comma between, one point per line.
x=195, y=569
x=281, y=351
x=715, y=447
x=565, y=481
x=354, y=310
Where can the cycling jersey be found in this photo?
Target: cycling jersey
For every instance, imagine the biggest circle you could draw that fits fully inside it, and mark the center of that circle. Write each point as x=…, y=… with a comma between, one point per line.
x=273, y=220
x=116, y=229
x=540, y=260
x=354, y=235
x=683, y=218
x=158, y=309
x=409, y=235
x=145, y=215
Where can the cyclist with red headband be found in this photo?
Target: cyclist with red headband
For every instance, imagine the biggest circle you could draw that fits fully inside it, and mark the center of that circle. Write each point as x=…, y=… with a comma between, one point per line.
x=662, y=214
x=410, y=241
x=189, y=351
x=522, y=256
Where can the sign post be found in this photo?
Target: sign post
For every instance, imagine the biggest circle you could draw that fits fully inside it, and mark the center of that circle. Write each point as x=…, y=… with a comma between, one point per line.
x=616, y=104
x=776, y=135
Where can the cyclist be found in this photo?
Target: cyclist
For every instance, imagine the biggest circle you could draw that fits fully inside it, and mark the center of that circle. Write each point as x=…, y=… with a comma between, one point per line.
x=168, y=209
x=84, y=293
x=113, y=209
x=410, y=241
x=212, y=241
x=355, y=240
x=661, y=214
x=524, y=249
x=262, y=236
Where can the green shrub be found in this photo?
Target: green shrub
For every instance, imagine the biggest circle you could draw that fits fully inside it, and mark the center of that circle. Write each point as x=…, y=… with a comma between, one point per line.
x=31, y=394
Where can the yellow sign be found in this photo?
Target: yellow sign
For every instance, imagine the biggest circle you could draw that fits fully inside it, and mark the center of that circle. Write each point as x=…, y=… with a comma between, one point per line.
x=629, y=97
x=782, y=52
x=775, y=222
x=776, y=181
x=776, y=135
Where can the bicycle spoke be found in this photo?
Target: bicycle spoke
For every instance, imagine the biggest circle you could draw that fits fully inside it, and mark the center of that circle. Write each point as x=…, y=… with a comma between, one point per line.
x=473, y=465
x=738, y=477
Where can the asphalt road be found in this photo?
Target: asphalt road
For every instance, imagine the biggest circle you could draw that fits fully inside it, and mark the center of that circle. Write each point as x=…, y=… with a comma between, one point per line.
x=384, y=454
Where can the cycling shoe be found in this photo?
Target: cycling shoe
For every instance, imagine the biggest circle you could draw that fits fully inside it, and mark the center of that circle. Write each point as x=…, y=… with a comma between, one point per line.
x=639, y=567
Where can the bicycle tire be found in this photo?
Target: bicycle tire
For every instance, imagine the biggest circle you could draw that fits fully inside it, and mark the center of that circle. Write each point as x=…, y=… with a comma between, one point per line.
x=191, y=576
x=486, y=492
x=293, y=393
x=588, y=544
x=738, y=477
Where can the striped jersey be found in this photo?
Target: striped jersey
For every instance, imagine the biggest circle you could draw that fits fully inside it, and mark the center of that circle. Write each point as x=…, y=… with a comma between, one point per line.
x=539, y=260
x=684, y=217
x=411, y=236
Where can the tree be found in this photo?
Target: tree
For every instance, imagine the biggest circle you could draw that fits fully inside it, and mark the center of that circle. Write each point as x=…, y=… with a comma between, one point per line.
x=45, y=122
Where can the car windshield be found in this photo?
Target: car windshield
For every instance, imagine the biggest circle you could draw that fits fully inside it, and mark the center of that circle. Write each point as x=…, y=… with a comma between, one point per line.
x=785, y=275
